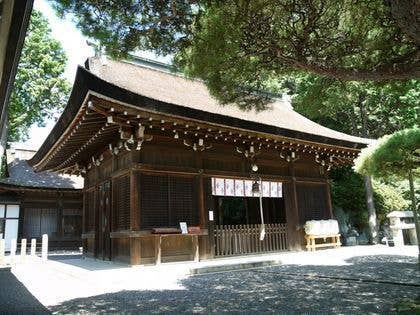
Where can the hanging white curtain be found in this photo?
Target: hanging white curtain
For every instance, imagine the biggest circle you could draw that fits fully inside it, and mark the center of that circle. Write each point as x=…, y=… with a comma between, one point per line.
x=243, y=188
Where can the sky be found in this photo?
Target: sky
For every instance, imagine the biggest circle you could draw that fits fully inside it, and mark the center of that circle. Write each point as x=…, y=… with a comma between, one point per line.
x=77, y=51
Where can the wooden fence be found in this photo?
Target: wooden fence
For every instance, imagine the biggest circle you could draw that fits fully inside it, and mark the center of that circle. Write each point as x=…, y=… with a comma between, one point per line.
x=245, y=239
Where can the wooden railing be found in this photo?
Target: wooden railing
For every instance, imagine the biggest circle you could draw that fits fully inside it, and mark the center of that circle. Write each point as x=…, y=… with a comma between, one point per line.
x=245, y=239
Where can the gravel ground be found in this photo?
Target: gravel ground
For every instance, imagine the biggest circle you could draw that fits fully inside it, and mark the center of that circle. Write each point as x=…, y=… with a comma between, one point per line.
x=15, y=298
x=365, y=285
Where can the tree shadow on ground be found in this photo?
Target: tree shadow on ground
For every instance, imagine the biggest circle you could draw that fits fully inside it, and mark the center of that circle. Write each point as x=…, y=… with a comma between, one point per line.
x=15, y=298
x=391, y=268
x=280, y=289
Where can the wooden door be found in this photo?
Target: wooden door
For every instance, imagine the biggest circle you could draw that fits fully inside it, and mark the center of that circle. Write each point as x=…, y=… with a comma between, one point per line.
x=104, y=240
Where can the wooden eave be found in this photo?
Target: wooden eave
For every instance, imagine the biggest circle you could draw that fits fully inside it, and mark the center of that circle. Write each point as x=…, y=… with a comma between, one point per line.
x=84, y=130
x=21, y=12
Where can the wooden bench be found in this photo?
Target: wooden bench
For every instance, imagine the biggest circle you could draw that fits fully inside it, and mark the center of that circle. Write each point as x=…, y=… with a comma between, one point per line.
x=158, y=245
x=312, y=246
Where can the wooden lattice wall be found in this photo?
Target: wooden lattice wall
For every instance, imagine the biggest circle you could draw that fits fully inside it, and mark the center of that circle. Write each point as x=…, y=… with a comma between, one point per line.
x=121, y=203
x=167, y=200
x=312, y=202
x=89, y=211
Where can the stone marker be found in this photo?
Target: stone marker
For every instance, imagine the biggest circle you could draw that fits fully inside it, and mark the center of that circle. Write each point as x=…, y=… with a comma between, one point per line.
x=13, y=246
x=33, y=247
x=23, y=249
x=44, y=253
x=2, y=248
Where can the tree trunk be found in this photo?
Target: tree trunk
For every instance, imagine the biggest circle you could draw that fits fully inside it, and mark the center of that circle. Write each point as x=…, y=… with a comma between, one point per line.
x=373, y=225
x=414, y=209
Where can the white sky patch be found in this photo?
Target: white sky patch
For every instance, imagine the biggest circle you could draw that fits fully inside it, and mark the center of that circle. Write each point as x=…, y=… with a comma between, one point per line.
x=76, y=50
x=72, y=40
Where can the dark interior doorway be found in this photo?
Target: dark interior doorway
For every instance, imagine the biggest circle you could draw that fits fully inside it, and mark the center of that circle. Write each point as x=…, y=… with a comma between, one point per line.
x=406, y=237
x=246, y=210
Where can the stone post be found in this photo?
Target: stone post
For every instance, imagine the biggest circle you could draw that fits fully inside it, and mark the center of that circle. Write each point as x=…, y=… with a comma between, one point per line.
x=44, y=253
x=23, y=249
x=2, y=248
x=33, y=247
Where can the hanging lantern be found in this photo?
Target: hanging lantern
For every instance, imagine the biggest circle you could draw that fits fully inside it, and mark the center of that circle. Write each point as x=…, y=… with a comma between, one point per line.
x=254, y=167
x=255, y=187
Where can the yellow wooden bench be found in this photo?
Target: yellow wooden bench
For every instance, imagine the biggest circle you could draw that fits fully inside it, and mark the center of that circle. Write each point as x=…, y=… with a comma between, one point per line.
x=312, y=246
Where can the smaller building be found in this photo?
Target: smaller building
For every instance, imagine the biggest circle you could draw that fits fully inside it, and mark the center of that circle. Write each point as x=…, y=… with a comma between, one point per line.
x=403, y=227
x=33, y=204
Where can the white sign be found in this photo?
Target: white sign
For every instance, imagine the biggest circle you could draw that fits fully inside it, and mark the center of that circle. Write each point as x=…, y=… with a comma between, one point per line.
x=262, y=232
x=211, y=216
x=184, y=228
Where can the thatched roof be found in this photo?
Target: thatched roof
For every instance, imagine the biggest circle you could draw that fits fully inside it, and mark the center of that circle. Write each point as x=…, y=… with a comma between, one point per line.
x=150, y=87
x=152, y=80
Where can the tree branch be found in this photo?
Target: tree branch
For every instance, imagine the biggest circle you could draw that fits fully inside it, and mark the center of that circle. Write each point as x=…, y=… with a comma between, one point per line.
x=406, y=14
x=402, y=70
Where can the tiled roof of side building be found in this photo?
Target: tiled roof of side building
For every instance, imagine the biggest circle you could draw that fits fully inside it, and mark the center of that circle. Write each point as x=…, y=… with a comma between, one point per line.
x=21, y=174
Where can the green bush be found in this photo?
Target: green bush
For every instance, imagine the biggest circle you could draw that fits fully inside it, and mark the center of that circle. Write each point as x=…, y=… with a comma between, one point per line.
x=387, y=199
x=348, y=193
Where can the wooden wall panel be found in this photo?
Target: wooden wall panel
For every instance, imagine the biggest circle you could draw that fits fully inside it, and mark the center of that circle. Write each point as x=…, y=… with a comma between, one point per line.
x=167, y=155
x=153, y=201
x=307, y=170
x=89, y=211
x=58, y=214
x=123, y=160
x=105, y=169
x=312, y=202
x=223, y=164
x=176, y=248
x=121, y=250
x=121, y=203
x=183, y=195
x=167, y=200
x=292, y=215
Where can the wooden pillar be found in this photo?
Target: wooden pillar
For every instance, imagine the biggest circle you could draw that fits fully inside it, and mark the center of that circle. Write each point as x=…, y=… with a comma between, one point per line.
x=114, y=163
x=60, y=216
x=201, y=204
x=158, y=249
x=196, y=249
x=210, y=206
x=328, y=196
x=21, y=214
x=134, y=219
x=84, y=222
x=203, y=219
x=97, y=228
x=292, y=211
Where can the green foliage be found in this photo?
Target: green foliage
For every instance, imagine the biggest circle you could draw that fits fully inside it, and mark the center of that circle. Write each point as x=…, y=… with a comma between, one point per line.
x=126, y=26
x=393, y=155
x=239, y=47
x=408, y=306
x=387, y=199
x=348, y=193
x=358, y=108
x=39, y=90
